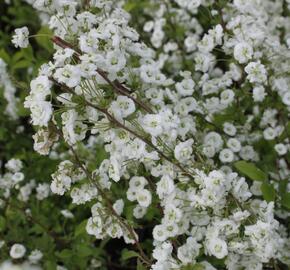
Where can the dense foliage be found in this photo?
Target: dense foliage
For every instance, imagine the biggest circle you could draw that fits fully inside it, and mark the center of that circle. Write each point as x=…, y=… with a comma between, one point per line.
x=150, y=134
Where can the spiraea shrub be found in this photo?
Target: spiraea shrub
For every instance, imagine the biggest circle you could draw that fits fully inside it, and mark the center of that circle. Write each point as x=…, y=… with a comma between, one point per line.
x=161, y=136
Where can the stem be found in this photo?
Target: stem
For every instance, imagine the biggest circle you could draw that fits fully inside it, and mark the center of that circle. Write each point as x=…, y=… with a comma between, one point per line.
x=109, y=204
x=39, y=35
x=134, y=133
x=116, y=85
x=130, y=230
x=33, y=220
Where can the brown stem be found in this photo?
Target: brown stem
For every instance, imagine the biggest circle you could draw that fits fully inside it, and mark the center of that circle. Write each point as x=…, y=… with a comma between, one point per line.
x=149, y=143
x=116, y=85
x=130, y=230
x=134, y=133
x=112, y=210
x=119, y=88
x=33, y=220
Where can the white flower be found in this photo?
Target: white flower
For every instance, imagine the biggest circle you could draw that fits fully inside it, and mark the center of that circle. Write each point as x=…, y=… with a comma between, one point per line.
x=69, y=75
x=229, y=129
x=159, y=233
x=152, y=123
x=118, y=206
x=40, y=87
x=20, y=39
x=114, y=169
x=14, y=165
x=144, y=197
x=286, y=98
x=138, y=183
x=217, y=247
x=60, y=184
x=234, y=145
x=139, y=211
x=183, y=151
x=226, y=155
x=41, y=112
x=186, y=87
x=17, y=177
x=165, y=186
x=189, y=251
x=269, y=133
x=206, y=44
x=259, y=94
x=115, y=61
x=256, y=72
x=214, y=139
x=94, y=226
x=35, y=256
x=43, y=141
x=227, y=97
x=148, y=26
x=67, y=214
x=243, y=52
x=122, y=107
x=281, y=149
x=17, y=251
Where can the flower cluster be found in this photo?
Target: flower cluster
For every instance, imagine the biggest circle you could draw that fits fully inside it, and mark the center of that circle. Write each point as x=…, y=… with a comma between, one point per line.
x=8, y=91
x=12, y=181
x=178, y=107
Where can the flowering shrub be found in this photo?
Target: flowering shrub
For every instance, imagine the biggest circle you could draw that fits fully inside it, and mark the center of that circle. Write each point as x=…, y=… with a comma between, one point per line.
x=169, y=121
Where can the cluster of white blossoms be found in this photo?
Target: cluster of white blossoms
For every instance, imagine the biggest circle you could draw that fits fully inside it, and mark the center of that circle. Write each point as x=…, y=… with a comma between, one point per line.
x=173, y=119
x=13, y=181
x=20, y=39
x=8, y=91
x=18, y=252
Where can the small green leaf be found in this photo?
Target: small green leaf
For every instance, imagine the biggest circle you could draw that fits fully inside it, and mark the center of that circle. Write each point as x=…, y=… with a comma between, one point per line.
x=66, y=253
x=5, y=56
x=28, y=53
x=84, y=251
x=268, y=192
x=128, y=254
x=2, y=224
x=22, y=64
x=197, y=266
x=43, y=39
x=129, y=6
x=81, y=228
x=250, y=170
x=17, y=56
x=50, y=265
x=140, y=266
x=285, y=200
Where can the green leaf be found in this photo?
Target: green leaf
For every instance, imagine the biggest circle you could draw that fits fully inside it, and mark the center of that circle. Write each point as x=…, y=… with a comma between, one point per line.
x=28, y=53
x=283, y=187
x=43, y=38
x=81, y=228
x=17, y=56
x=250, y=170
x=2, y=224
x=83, y=251
x=49, y=265
x=5, y=56
x=197, y=266
x=285, y=200
x=268, y=192
x=128, y=254
x=64, y=254
x=140, y=266
x=22, y=64
x=130, y=6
